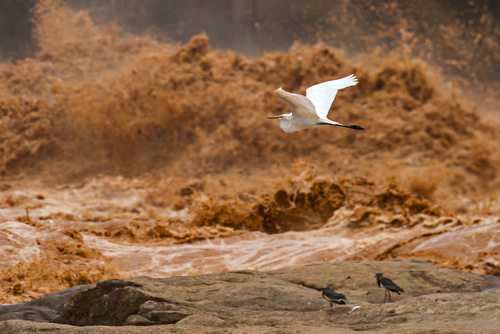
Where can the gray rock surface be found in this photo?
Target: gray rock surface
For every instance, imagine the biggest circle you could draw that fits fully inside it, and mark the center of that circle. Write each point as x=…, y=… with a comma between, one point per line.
x=42, y=309
x=436, y=301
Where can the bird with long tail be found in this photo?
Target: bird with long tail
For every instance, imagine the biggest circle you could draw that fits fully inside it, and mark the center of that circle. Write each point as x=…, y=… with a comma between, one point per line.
x=313, y=108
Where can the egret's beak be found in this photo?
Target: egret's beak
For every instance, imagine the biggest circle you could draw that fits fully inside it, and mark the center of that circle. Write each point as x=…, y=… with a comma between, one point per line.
x=277, y=91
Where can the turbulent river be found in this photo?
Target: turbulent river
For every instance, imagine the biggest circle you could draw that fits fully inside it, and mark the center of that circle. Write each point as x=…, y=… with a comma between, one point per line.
x=123, y=155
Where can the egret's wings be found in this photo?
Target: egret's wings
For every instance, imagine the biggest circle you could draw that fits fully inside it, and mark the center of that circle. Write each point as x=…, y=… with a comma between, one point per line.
x=302, y=106
x=323, y=94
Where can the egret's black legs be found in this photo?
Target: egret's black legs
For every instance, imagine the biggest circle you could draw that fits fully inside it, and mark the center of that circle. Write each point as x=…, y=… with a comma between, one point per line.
x=349, y=126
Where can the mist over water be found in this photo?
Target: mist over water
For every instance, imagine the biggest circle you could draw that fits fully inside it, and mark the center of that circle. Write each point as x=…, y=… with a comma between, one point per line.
x=115, y=144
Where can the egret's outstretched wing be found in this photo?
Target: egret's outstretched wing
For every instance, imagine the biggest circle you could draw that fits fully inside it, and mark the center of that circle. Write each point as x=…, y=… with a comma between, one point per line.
x=302, y=107
x=323, y=94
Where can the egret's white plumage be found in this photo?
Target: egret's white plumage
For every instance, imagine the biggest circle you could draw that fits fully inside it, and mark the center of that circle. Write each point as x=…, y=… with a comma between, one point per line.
x=313, y=108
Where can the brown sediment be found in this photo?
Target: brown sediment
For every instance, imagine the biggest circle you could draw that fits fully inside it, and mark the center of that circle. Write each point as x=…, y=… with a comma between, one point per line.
x=28, y=280
x=183, y=129
x=63, y=262
x=153, y=106
x=465, y=43
x=25, y=131
x=292, y=209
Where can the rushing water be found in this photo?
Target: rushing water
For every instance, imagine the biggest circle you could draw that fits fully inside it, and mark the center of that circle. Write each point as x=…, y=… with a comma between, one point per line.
x=125, y=155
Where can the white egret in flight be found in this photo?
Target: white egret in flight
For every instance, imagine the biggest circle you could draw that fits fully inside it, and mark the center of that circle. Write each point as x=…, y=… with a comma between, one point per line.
x=313, y=108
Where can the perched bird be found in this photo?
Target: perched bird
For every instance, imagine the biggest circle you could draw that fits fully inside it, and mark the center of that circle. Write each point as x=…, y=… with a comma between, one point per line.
x=388, y=285
x=332, y=297
x=313, y=108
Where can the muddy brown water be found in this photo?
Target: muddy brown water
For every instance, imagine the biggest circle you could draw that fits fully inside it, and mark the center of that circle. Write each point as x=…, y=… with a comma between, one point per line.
x=122, y=155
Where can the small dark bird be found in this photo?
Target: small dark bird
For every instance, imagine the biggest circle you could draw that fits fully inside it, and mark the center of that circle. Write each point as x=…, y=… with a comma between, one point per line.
x=332, y=297
x=388, y=285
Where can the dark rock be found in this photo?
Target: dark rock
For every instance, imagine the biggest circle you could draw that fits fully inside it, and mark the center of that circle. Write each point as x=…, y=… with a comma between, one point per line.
x=166, y=317
x=152, y=305
x=99, y=306
x=138, y=320
x=42, y=309
x=437, y=300
x=163, y=312
x=116, y=283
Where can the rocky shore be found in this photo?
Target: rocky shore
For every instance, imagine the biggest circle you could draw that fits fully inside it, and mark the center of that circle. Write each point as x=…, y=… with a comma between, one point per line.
x=436, y=300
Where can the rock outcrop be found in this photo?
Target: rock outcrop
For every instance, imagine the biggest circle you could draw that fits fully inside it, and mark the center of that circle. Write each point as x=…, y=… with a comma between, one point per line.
x=435, y=300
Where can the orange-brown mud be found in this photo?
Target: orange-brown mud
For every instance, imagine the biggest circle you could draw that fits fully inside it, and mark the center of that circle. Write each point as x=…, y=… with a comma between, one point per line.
x=124, y=155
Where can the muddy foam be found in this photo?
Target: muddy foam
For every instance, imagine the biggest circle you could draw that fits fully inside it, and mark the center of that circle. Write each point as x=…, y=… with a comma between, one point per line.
x=123, y=155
